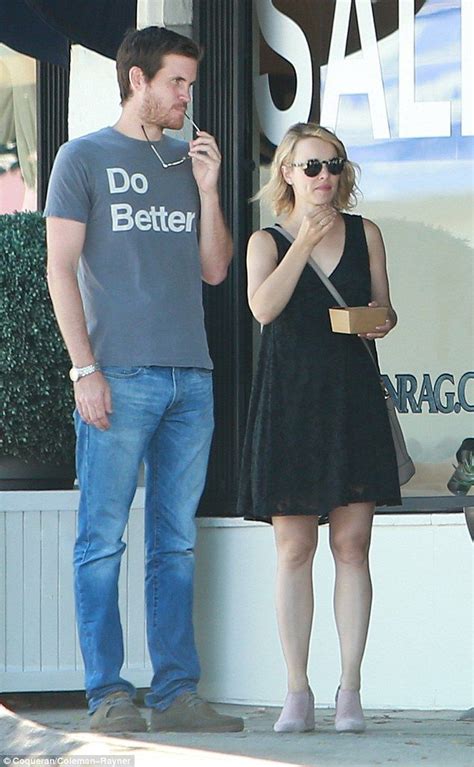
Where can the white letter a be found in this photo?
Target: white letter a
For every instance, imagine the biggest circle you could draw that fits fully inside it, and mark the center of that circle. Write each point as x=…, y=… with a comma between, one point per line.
x=358, y=73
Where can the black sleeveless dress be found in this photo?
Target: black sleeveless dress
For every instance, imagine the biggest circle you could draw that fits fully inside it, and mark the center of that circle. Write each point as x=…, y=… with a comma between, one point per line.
x=318, y=434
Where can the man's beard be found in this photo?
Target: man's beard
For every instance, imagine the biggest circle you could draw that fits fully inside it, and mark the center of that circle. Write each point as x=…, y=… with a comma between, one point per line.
x=153, y=113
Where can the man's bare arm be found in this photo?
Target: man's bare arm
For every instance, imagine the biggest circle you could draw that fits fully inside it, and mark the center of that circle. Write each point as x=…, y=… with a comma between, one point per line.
x=215, y=243
x=65, y=242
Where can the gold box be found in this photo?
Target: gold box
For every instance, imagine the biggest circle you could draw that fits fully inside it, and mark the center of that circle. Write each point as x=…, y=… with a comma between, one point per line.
x=357, y=319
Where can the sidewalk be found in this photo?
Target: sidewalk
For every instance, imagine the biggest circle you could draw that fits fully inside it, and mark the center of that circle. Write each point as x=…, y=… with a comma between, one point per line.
x=34, y=725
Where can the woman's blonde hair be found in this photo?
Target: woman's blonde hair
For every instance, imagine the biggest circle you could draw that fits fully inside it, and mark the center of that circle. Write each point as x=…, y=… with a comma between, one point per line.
x=280, y=195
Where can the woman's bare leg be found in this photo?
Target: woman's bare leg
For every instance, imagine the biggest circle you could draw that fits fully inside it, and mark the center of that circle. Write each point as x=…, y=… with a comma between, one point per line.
x=350, y=531
x=296, y=541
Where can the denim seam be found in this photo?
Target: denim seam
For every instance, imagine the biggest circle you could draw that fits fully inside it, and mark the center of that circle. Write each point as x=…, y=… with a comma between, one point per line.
x=156, y=538
x=122, y=376
x=175, y=389
x=86, y=464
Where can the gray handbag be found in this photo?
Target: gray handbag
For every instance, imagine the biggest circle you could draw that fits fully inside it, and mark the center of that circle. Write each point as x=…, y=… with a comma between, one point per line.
x=406, y=467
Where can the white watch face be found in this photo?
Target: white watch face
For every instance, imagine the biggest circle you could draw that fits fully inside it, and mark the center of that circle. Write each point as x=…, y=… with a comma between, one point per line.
x=73, y=374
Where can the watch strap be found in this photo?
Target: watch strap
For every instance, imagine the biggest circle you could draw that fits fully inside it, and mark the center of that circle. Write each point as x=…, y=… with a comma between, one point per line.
x=77, y=373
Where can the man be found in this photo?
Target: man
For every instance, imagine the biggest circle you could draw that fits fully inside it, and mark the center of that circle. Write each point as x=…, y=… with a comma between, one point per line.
x=124, y=270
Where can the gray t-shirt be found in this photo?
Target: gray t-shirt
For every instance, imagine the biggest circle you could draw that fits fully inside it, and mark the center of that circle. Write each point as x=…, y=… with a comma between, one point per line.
x=139, y=273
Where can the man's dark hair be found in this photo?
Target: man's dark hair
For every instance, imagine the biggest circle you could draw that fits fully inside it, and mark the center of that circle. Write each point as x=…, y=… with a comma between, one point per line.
x=145, y=48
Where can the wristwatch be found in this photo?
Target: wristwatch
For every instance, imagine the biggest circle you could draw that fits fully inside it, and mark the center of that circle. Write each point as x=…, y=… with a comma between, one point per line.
x=75, y=374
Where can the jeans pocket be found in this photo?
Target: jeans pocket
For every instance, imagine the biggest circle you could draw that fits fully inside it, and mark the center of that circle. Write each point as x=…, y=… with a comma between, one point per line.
x=116, y=371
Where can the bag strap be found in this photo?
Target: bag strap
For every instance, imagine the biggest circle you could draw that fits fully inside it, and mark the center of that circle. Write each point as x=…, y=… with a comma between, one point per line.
x=328, y=284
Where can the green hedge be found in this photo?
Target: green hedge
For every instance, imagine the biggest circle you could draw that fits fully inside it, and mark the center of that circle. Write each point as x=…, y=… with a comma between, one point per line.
x=36, y=399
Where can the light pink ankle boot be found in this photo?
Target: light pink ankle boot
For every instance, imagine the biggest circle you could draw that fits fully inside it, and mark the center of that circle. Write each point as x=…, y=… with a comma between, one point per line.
x=349, y=714
x=297, y=714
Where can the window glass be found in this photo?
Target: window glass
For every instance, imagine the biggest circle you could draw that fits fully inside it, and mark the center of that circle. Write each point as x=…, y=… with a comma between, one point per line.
x=18, y=152
x=392, y=79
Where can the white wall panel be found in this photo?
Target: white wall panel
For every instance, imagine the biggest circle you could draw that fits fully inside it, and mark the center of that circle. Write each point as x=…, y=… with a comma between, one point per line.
x=39, y=648
x=419, y=652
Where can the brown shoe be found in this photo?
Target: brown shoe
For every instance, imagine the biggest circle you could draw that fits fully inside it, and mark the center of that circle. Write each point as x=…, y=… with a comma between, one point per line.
x=189, y=713
x=118, y=713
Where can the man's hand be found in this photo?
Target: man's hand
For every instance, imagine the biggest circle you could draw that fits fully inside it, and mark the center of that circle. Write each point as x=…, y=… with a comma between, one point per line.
x=93, y=400
x=206, y=160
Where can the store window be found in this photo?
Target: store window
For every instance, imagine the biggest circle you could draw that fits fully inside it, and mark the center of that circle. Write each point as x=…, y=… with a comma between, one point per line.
x=393, y=80
x=18, y=131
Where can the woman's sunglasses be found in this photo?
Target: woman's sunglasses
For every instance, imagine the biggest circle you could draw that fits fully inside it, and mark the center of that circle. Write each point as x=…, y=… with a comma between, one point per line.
x=313, y=168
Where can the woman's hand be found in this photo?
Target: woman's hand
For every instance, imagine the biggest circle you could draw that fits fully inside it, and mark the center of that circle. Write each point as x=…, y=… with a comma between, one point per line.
x=378, y=279
x=381, y=330
x=315, y=225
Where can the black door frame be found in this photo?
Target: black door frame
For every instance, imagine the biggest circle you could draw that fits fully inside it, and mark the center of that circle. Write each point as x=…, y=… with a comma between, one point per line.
x=223, y=106
x=52, y=105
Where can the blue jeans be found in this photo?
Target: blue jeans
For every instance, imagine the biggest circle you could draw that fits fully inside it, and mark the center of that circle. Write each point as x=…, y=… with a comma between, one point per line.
x=164, y=417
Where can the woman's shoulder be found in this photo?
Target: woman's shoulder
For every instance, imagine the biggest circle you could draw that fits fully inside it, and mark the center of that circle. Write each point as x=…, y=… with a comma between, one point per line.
x=267, y=233
x=357, y=217
x=372, y=231
x=369, y=225
x=263, y=241
x=268, y=243
x=272, y=234
x=263, y=237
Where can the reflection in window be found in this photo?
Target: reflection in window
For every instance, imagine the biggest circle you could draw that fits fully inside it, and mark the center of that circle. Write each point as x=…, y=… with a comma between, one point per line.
x=18, y=154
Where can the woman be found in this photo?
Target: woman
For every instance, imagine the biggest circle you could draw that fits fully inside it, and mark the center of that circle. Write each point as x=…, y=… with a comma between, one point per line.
x=318, y=446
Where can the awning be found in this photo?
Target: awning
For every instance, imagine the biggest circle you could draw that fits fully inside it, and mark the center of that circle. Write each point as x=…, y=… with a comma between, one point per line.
x=24, y=31
x=96, y=24
x=44, y=29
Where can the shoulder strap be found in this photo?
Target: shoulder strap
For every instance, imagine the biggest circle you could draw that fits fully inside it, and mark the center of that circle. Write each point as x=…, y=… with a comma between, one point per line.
x=327, y=283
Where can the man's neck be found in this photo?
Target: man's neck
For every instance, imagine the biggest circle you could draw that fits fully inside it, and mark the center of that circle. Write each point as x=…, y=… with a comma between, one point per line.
x=130, y=125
